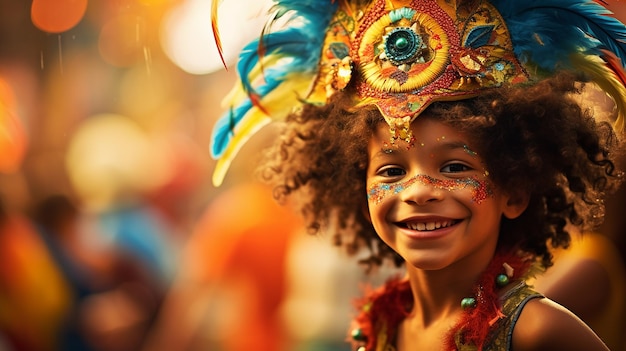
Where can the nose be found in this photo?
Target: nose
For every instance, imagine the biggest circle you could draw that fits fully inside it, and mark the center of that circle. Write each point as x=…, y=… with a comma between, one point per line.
x=421, y=190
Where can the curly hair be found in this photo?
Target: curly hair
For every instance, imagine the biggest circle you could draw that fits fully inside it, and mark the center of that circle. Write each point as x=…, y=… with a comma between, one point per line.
x=534, y=139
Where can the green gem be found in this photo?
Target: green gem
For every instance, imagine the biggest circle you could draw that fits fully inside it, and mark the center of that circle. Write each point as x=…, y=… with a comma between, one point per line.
x=357, y=334
x=502, y=280
x=468, y=302
x=402, y=43
x=414, y=106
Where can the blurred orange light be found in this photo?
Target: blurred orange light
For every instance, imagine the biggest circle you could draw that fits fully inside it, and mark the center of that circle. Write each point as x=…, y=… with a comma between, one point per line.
x=122, y=39
x=187, y=38
x=111, y=158
x=56, y=16
x=12, y=133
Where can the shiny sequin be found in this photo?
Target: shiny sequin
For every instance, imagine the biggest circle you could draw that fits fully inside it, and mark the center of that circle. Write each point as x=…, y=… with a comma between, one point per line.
x=469, y=151
x=480, y=188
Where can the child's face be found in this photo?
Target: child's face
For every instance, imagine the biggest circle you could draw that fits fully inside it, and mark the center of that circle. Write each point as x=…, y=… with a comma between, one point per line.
x=433, y=203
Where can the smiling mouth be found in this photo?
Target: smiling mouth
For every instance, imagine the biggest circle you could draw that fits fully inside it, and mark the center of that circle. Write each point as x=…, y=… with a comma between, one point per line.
x=428, y=226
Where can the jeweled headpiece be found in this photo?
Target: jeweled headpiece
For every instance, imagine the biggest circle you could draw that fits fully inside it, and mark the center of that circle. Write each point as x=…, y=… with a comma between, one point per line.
x=403, y=55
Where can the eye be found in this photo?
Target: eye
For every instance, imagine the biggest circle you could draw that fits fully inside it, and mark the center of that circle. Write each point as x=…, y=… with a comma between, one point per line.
x=455, y=168
x=392, y=172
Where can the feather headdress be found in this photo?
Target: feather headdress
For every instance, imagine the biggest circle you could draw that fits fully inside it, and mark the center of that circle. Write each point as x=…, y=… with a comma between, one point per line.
x=401, y=55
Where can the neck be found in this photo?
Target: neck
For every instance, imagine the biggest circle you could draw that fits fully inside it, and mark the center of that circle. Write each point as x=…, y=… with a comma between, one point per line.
x=437, y=294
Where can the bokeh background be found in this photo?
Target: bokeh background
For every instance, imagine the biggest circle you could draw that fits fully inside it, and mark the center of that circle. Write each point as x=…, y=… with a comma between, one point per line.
x=112, y=236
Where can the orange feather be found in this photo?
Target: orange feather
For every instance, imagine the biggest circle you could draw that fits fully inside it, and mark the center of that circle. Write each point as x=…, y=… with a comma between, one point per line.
x=216, y=31
x=615, y=64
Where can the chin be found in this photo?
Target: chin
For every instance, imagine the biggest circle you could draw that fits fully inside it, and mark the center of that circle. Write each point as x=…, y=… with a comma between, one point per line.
x=427, y=262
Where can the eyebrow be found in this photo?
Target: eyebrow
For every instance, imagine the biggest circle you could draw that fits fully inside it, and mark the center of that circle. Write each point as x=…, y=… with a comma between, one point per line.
x=446, y=145
x=456, y=145
x=384, y=152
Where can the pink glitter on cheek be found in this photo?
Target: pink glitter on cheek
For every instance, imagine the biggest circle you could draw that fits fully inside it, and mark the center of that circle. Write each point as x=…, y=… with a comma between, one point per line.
x=481, y=188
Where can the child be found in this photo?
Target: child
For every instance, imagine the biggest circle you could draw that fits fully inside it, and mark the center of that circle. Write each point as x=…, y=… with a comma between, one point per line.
x=425, y=139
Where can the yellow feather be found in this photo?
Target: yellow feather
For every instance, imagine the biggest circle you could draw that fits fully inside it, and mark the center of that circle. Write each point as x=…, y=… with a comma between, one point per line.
x=277, y=103
x=252, y=123
x=237, y=94
x=606, y=79
x=287, y=95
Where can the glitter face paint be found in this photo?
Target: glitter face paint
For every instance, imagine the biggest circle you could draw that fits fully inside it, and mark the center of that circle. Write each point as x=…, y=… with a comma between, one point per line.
x=481, y=189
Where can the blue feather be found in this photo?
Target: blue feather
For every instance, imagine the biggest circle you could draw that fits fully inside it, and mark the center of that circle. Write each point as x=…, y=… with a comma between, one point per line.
x=479, y=36
x=546, y=32
x=300, y=42
x=273, y=77
x=223, y=130
x=291, y=43
x=307, y=9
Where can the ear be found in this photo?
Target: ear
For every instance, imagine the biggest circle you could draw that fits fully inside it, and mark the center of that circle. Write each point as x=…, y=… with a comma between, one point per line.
x=516, y=204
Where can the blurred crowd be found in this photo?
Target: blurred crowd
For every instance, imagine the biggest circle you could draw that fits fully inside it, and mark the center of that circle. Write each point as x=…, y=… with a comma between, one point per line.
x=112, y=237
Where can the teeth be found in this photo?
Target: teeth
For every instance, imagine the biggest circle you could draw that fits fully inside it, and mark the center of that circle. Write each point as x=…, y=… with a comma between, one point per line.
x=421, y=226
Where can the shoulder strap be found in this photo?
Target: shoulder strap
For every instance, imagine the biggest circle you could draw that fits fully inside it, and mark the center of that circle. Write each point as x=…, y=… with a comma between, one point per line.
x=513, y=303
